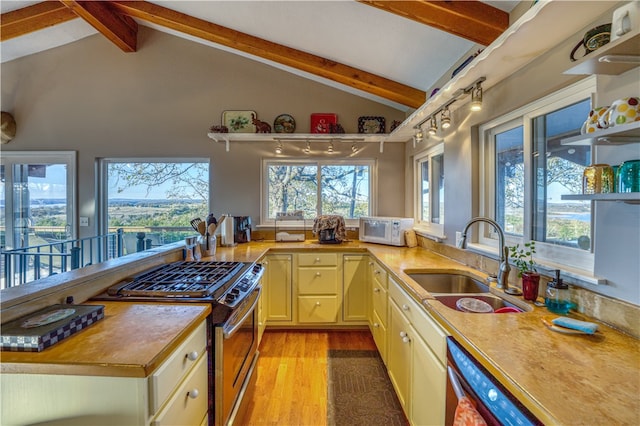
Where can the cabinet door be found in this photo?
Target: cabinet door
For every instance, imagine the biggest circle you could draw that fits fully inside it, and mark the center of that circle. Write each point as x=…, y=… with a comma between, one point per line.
x=355, y=273
x=399, y=354
x=428, y=386
x=278, y=284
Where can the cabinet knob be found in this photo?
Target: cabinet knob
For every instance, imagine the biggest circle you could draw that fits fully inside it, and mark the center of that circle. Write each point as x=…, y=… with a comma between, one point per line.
x=403, y=334
x=317, y=303
x=405, y=337
x=376, y=325
x=192, y=356
x=376, y=290
x=377, y=271
x=318, y=274
x=317, y=259
x=193, y=393
x=405, y=307
x=406, y=340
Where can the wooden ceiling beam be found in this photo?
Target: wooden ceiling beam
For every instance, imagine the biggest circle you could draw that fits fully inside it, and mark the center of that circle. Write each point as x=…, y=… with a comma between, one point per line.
x=284, y=55
x=471, y=20
x=33, y=18
x=121, y=30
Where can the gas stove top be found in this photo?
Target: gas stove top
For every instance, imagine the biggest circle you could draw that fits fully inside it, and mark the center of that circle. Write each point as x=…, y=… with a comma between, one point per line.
x=181, y=280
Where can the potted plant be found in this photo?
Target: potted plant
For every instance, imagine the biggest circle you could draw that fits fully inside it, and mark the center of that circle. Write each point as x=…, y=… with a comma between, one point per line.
x=523, y=259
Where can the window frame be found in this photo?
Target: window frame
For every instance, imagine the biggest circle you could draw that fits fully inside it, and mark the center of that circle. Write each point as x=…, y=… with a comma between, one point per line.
x=486, y=240
x=68, y=158
x=426, y=226
x=318, y=162
x=102, y=175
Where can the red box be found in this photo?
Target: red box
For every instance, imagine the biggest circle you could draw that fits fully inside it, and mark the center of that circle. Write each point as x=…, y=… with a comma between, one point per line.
x=320, y=122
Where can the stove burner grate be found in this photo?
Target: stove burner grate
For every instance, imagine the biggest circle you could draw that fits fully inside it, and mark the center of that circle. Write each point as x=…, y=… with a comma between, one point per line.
x=182, y=279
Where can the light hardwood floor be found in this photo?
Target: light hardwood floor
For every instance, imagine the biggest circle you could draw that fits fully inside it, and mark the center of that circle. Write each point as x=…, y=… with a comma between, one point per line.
x=291, y=387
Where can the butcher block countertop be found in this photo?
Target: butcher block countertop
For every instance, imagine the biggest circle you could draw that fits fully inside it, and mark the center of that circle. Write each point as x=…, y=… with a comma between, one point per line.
x=562, y=379
x=132, y=340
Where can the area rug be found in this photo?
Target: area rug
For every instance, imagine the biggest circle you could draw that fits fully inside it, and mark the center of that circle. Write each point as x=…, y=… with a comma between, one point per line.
x=359, y=390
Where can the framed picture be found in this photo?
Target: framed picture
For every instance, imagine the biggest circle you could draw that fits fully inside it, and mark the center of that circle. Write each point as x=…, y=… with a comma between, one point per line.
x=239, y=121
x=371, y=124
x=320, y=122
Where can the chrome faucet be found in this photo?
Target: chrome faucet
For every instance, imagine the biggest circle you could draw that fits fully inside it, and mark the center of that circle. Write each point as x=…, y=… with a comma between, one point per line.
x=503, y=271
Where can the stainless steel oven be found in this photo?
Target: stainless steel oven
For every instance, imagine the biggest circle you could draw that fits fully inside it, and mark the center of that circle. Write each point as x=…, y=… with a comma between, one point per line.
x=233, y=289
x=236, y=346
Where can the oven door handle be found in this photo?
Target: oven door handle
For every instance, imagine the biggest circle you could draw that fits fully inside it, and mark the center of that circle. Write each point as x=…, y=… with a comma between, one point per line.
x=234, y=327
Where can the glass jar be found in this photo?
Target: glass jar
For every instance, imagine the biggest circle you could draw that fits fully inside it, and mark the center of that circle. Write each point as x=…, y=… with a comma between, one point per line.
x=597, y=179
x=629, y=176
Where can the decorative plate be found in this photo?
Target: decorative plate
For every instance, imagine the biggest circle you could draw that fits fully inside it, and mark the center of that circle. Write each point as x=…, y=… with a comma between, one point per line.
x=320, y=123
x=239, y=121
x=284, y=123
x=371, y=124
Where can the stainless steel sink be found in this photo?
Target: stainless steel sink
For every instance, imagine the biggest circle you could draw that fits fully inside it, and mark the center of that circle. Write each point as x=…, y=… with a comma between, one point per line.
x=443, y=283
x=451, y=300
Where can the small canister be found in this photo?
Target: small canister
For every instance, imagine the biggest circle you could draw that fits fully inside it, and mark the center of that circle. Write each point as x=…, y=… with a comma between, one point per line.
x=629, y=176
x=597, y=179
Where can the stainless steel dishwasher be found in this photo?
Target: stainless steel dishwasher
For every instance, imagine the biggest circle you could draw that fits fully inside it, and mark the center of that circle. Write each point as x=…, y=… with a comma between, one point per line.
x=466, y=377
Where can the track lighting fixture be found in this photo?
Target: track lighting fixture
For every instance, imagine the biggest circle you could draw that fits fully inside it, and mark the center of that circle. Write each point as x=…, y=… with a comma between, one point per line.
x=279, y=148
x=418, y=135
x=476, y=98
x=307, y=149
x=433, y=126
x=445, y=118
x=330, y=149
x=354, y=148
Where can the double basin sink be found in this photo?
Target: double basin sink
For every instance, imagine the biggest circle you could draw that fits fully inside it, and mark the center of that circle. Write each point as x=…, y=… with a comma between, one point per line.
x=455, y=290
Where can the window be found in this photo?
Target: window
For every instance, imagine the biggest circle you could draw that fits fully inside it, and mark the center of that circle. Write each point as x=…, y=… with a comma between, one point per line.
x=37, y=196
x=526, y=171
x=318, y=187
x=429, y=180
x=153, y=196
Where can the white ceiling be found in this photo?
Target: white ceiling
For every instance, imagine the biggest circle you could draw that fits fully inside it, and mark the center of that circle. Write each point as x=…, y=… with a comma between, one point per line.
x=345, y=31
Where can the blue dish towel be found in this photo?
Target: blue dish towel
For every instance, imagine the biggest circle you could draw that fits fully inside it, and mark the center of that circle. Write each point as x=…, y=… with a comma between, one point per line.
x=574, y=324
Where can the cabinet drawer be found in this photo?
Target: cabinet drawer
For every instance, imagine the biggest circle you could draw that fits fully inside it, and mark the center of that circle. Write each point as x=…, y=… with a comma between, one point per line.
x=317, y=309
x=170, y=373
x=317, y=281
x=430, y=331
x=433, y=335
x=379, y=302
x=186, y=407
x=378, y=275
x=379, y=332
x=318, y=259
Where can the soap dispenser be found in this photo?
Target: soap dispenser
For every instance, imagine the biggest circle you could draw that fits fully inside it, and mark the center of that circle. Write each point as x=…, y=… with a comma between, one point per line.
x=557, y=296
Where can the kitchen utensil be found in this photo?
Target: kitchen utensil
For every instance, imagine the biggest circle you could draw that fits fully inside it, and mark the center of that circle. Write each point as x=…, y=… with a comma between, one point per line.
x=592, y=40
x=195, y=222
x=211, y=228
x=211, y=219
x=202, y=228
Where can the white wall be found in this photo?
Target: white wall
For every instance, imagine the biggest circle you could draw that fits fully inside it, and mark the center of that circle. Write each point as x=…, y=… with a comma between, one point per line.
x=92, y=98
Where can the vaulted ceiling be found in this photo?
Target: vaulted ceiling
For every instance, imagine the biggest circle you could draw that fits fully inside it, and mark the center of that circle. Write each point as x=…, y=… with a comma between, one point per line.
x=390, y=51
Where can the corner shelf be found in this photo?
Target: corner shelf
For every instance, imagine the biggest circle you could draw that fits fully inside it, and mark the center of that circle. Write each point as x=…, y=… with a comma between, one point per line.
x=597, y=62
x=617, y=135
x=625, y=197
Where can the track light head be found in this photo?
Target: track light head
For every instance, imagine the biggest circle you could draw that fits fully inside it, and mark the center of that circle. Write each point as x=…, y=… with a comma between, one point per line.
x=433, y=126
x=476, y=98
x=445, y=118
x=279, y=148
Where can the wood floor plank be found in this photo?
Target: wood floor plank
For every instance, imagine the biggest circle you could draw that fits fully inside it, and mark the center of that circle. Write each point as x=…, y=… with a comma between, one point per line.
x=291, y=386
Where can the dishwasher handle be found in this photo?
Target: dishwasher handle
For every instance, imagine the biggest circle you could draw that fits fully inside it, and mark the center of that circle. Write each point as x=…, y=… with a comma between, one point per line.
x=455, y=383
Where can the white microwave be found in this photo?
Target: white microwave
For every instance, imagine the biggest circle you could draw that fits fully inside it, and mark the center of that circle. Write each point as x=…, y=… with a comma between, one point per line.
x=384, y=230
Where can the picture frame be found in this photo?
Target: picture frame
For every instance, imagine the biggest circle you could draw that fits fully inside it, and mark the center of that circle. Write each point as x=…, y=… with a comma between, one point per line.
x=239, y=121
x=320, y=122
x=371, y=124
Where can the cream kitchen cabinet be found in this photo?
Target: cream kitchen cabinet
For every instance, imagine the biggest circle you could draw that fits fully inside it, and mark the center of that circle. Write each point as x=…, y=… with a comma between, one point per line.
x=355, y=271
x=278, y=288
x=317, y=288
x=175, y=393
x=416, y=359
x=378, y=306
